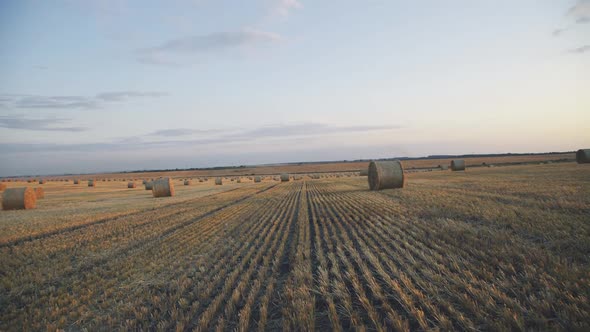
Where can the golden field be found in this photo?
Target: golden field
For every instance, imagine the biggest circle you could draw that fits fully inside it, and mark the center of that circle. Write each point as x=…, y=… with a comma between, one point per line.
x=503, y=248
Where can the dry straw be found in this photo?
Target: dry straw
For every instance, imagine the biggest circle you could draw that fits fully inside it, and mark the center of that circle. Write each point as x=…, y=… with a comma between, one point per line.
x=218, y=181
x=257, y=179
x=19, y=199
x=163, y=188
x=457, y=165
x=284, y=177
x=131, y=185
x=39, y=192
x=2, y=186
x=583, y=156
x=91, y=183
x=386, y=175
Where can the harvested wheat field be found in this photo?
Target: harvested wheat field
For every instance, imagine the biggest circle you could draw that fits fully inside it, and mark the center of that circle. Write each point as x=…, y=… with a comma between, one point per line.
x=504, y=248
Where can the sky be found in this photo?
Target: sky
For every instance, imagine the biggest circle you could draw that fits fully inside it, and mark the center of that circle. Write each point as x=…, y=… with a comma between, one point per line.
x=106, y=85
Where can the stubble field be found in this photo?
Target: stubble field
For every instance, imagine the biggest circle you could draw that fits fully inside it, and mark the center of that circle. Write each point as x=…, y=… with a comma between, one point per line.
x=504, y=248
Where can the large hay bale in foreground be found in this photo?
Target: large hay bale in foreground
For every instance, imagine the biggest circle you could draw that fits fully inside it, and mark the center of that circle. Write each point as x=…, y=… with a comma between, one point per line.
x=284, y=177
x=188, y=182
x=39, y=192
x=583, y=156
x=218, y=181
x=91, y=183
x=149, y=185
x=386, y=175
x=19, y=199
x=257, y=179
x=364, y=172
x=131, y=185
x=457, y=165
x=163, y=188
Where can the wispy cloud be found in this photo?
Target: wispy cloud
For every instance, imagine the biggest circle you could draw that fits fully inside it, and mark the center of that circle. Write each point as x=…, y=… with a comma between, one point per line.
x=71, y=102
x=221, y=136
x=48, y=124
x=580, y=12
x=580, y=50
x=284, y=7
x=178, y=132
x=169, y=51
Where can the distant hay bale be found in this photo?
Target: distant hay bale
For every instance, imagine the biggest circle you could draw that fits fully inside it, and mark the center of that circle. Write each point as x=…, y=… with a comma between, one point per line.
x=200, y=180
x=364, y=172
x=188, y=182
x=76, y=181
x=218, y=181
x=149, y=185
x=285, y=177
x=91, y=183
x=457, y=165
x=163, y=188
x=143, y=182
x=131, y=185
x=19, y=199
x=239, y=180
x=443, y=167
x=583, y=156
x=257, y=179
x=386, y=175
x=42, y=181
x=39, y=192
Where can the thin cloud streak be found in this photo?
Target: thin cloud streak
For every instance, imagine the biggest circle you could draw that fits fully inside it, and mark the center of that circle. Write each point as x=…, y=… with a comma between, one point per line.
x=24, y=101
x=580, y=50
x=166, y=53
x=134, y=143
x=21, y=123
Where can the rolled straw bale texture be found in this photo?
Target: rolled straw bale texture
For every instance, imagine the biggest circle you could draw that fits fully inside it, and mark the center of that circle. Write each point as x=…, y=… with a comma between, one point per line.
x=149, y=185
x=218, y=181
x=19, y=199
x=91, y=183
x=257, y=179
x=188, y=182
x=583, y=156
x=386, y=175
x=284, y=177
x=457, y=165
x=131, y=185
x=39, y=192
x=163, y=188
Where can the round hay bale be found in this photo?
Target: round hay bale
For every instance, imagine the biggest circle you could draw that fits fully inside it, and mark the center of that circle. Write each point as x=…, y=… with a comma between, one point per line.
x=239, y=180
x=386, y=175
x=39, y=192
x=285, y=177
x=257, y=179
x=200, y=180
x=42, y=181
x=2, y=186
x=76, y=181
x=163, y=188
x=19, y=199
x=443, y=167
x=457, y=165
x=91, y=183
x=364, y=172
x=149, y=185
x=583, y=156
x=131, y=185
x=188, y=182
x=218, y=181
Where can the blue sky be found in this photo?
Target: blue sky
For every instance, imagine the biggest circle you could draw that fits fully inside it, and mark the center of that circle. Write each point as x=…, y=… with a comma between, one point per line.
x=93, y=85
